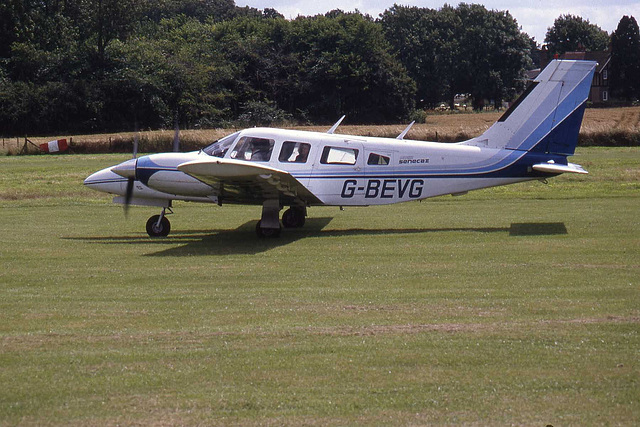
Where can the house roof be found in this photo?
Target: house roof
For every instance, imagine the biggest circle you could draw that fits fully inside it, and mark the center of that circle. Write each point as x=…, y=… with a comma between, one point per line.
x=602, y=57
x=532, y=74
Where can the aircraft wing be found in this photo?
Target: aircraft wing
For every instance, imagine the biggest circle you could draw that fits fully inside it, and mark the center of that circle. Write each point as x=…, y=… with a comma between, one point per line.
x=248, y=182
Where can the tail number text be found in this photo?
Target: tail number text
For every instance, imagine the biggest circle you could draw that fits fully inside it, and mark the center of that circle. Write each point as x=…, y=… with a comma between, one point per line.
x=383, y=188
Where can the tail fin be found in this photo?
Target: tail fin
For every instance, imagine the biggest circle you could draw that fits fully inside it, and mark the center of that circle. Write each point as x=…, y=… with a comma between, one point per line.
x=547, y=116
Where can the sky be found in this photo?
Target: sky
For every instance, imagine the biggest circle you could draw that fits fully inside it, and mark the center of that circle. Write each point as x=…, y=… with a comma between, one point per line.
x=534, y=16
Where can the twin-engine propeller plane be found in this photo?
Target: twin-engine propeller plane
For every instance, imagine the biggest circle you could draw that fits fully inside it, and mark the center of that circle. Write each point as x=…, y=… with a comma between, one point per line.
x=278, y=168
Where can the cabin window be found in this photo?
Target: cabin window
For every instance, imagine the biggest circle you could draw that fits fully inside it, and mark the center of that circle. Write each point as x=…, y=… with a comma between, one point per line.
x=377, y=159
x=339, y=156
x=605, y=95
x=294, y=152
x=605, y=74
x=253, y=149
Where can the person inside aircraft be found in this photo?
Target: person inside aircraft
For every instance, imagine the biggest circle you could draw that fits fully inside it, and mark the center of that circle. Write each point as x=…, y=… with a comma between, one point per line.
x=261, y=150
x=303, y=153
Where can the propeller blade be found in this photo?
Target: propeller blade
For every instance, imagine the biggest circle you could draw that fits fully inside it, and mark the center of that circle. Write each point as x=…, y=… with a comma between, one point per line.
x=128, y=195
x=136, y=138
x=135, y=146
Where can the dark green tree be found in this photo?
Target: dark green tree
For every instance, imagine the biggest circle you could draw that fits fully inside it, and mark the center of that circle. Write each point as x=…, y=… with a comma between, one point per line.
x=171, y=72
x=427, y=43
x=571, y=33
x=12, y=14
x=493, y=55
x=316, y=67
x=262, y=55
x=625, y=60
x=348, y=68
x=202, y=10
x=106, y=20
x=467, y=49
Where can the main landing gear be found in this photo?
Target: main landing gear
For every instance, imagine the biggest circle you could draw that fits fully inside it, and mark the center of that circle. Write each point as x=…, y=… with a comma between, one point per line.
x=159, y=225
x=294, y=217
x=269, y=224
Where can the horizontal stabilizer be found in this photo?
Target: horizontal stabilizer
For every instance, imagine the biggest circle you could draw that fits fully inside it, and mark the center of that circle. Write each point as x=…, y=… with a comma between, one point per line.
x=559, y=168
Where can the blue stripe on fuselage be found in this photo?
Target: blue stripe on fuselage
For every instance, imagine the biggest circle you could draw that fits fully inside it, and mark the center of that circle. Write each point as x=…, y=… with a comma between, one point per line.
x=146, y=168
x=520, y=168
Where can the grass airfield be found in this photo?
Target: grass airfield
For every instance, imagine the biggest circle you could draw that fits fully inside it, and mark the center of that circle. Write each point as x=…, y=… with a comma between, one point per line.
x=513, y=305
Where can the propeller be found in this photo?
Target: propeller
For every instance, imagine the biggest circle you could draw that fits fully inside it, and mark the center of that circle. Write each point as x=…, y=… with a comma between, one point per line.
x=131, y=179
x=127, y=196
x=127, y=170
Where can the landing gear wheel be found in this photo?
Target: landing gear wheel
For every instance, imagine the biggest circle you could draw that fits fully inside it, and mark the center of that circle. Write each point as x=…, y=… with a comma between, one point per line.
x=267, y=232
x=293, y=218
x=155, y=230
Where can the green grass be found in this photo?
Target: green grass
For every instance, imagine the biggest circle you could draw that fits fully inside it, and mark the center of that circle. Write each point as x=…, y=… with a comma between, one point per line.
x=513, y=305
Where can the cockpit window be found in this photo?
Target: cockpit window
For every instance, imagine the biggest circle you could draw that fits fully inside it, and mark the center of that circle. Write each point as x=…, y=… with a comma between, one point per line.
x=254, y=149
x=221, y=146
x=294, y=152
x=377, y=159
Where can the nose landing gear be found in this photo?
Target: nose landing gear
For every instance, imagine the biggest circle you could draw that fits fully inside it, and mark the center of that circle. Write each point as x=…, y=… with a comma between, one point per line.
x=159, y=225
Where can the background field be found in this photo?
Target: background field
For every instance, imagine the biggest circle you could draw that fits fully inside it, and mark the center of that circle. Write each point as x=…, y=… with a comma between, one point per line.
x=601, y=127
x=514, y=305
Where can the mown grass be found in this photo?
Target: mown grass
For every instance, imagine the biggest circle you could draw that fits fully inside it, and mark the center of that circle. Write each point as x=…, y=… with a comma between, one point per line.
x=513, y=305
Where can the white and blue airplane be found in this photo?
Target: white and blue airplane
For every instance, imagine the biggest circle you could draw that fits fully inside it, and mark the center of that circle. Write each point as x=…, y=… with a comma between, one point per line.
x=276, y=168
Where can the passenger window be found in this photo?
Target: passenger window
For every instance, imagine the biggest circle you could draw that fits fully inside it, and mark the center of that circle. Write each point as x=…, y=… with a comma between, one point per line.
x=254, y=149
x=339, y=156
x=294, y=152
x=377, y=159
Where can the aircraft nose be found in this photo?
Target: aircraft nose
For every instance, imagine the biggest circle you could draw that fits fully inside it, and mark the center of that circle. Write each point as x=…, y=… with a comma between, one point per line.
x=105, y=180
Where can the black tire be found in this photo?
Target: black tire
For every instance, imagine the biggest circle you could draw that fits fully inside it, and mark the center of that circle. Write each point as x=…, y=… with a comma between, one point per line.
x=267, y=232
x=293, y=218
x=153, y=230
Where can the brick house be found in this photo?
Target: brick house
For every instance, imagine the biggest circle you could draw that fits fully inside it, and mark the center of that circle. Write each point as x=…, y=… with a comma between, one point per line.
x=599, y=93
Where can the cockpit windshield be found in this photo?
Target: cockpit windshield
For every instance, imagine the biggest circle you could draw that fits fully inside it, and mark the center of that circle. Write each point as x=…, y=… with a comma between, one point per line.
x=221, y=146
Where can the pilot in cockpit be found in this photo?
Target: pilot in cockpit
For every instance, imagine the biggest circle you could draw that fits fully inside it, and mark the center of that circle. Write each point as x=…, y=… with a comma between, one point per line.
x=261, y=151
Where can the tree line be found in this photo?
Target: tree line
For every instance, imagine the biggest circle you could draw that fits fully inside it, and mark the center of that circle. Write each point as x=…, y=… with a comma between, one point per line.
x=70, y=66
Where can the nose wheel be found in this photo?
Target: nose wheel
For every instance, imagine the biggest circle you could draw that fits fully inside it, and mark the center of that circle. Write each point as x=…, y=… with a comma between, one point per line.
x=158, y=225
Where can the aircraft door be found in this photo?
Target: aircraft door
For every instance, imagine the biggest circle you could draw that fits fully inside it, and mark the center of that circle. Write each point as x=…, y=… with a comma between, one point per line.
x=338, y=172
x=297, y=158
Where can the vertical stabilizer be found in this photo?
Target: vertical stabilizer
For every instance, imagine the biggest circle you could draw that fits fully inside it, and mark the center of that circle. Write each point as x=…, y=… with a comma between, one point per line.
x=547, y=116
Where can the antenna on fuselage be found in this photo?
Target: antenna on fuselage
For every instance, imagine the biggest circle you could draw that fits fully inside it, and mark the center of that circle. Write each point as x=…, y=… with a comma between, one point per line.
x=334, y=127
x=404, y=132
